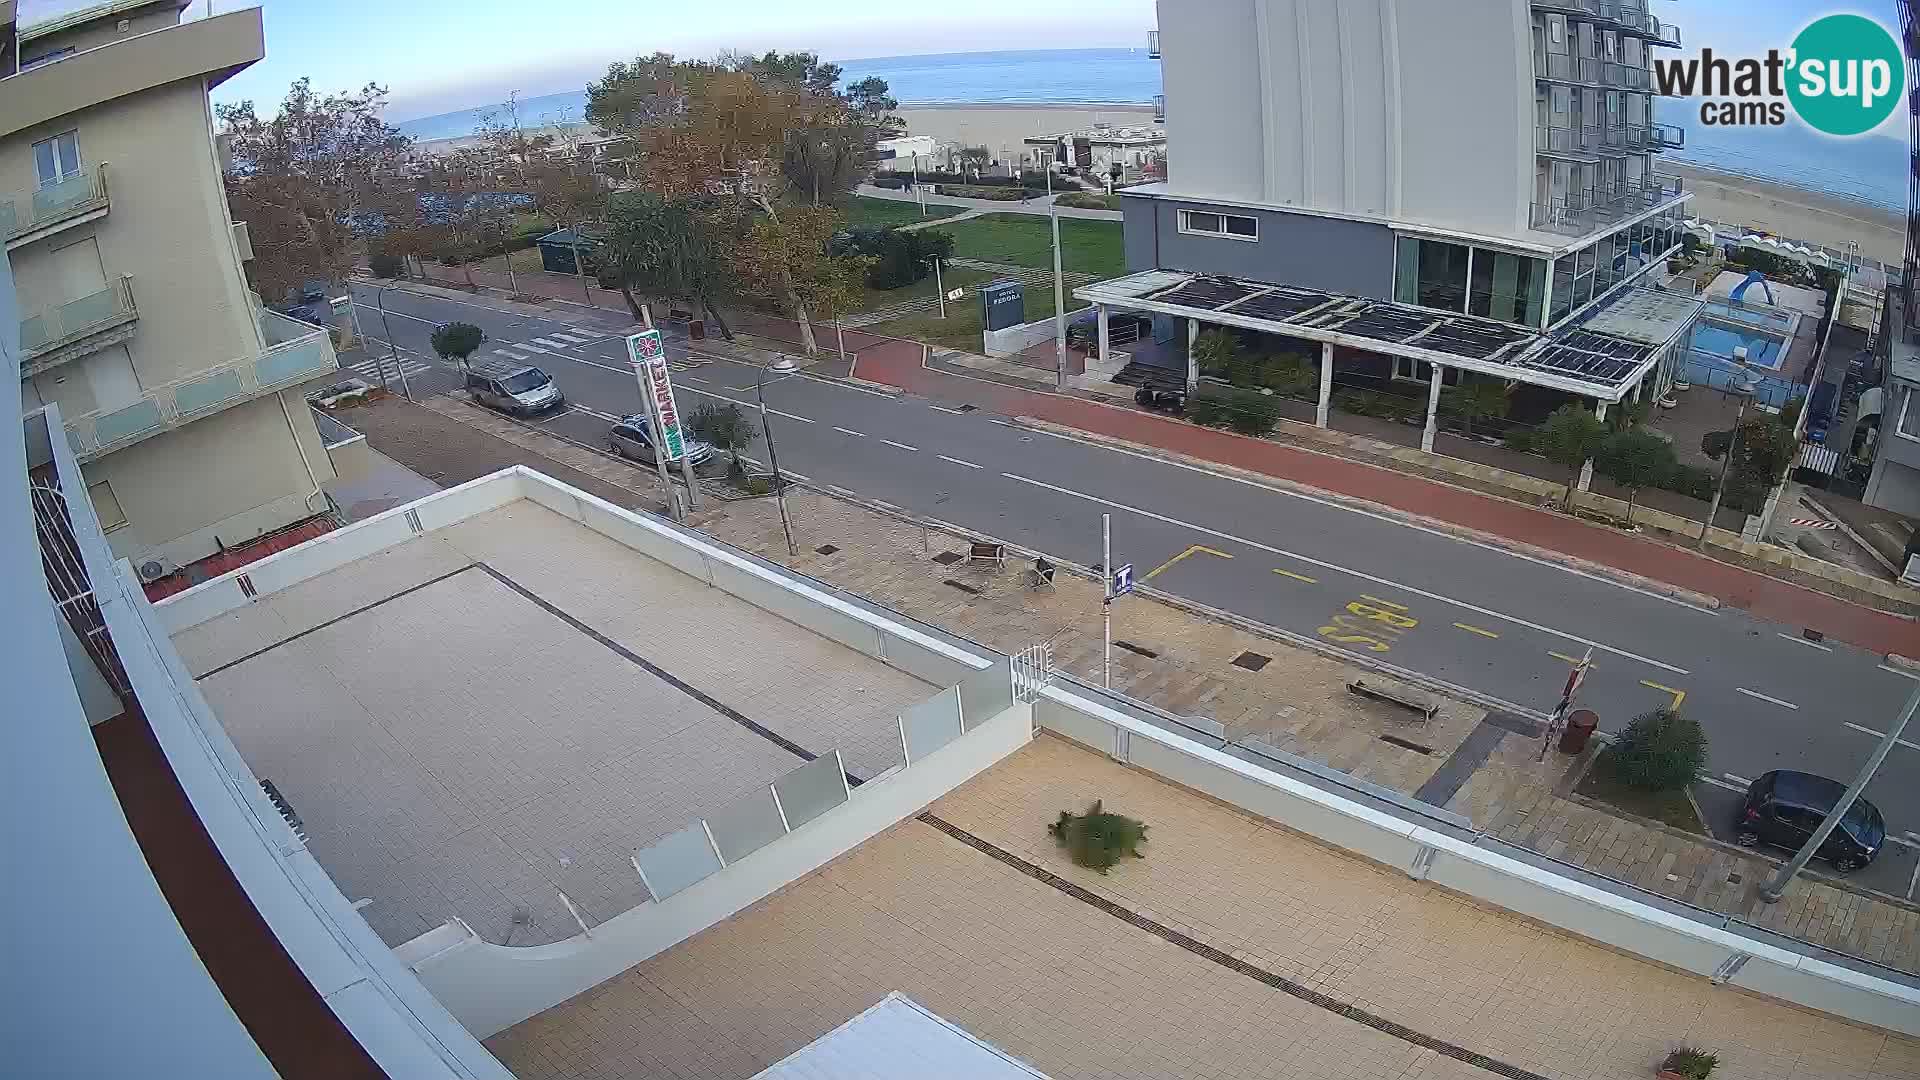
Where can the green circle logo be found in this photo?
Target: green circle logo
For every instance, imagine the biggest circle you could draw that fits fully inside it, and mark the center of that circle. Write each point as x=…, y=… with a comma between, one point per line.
x=1846, y=75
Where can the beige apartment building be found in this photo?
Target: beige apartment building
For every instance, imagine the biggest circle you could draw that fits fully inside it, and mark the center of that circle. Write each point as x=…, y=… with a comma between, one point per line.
x=180, y=394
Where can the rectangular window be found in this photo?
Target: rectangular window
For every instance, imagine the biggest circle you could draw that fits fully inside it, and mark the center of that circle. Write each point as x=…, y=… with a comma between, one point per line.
x=1233, y=226
x=1507, y=287
x=1442, y=279
x=1562, y=288
x=1406, y=270
x=106, y=506
x=1411, y=370
x=1910, y=415
x=57, y=159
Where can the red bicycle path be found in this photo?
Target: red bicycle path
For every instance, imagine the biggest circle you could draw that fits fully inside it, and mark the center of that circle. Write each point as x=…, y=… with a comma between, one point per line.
x=900, y=363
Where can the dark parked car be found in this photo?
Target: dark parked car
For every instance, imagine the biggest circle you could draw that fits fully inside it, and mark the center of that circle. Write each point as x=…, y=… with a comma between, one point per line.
x=1784, y=807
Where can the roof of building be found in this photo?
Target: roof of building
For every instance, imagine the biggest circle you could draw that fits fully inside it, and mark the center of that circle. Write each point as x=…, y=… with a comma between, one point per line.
x=567, y=237
x=898, y=1037
x=1602, y=362
x=53, y=24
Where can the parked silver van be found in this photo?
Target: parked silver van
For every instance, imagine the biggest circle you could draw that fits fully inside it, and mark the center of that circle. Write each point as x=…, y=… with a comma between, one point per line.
x=516, y=390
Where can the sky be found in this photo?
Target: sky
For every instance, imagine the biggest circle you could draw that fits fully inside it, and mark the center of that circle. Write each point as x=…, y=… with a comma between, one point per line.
x=436, y=56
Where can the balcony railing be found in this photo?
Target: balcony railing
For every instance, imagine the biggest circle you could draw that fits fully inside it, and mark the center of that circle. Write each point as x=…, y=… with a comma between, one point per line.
x=203, y=393
x=1566, y=140
x=1563, y=67
x=1663, y=32
x=1581, y=212
x=1159, y=108
x=58, y=327
x=1668, y=136
x=22, y=214
x=1153, y=44
x=1626, y=76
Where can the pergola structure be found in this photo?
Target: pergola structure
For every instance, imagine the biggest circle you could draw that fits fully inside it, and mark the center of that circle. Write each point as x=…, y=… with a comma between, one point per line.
x=1605, y=355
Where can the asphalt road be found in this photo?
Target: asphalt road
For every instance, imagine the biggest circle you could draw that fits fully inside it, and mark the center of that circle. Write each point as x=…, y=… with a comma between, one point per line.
x=1477, y=616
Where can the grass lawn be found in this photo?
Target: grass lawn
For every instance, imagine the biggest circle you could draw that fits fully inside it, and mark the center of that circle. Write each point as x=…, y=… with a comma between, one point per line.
x=525, y=261
x=1667, y=807
x=962, y=327
x=1087, y=247
x=865, y=210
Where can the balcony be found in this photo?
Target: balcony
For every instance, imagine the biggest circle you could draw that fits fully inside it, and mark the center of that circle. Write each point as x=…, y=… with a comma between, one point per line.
x=301, y=352
x=1626, y=76
x=1668, y=136
x=1159, y=108
x=1566, y=68
x=1153, y=44
x=26, y=216
x=1582, y=143
x=1591, y=210
x=78, y=327
x=1662, y=33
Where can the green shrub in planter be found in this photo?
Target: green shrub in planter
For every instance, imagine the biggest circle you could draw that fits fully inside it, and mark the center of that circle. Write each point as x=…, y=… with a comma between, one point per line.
x=1205, y=410
x=1519, y=439
x=1690, y=1062
x=1098, y=840
x=1660, y=751
x=1254, y=413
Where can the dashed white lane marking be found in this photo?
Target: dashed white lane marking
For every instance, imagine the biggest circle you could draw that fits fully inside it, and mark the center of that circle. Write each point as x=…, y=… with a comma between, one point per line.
x=1881, y=735
x=1719, y=783
x=1353, y=573
x=1002, y=423
x=1741, y=780
x=1803, y=641
x=900, y=445
x=1765, y=698
x=850, y=431
x=509, y=353
x=957, y=461
x=550, y=343
x=737, y=401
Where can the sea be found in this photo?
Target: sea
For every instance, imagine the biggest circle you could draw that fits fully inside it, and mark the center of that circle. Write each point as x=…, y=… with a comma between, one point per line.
x=1871, y=169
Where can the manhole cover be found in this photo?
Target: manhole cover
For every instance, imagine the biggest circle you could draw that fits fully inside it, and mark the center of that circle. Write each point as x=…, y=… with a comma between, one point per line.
x=1252, y=661
x=947, y=558
x=966, y=588
x=826, y=549
x=1733, y=879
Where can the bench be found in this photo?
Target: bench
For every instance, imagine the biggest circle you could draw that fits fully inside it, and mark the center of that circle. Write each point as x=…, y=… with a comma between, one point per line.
x=1400, y=698
x=981, y=554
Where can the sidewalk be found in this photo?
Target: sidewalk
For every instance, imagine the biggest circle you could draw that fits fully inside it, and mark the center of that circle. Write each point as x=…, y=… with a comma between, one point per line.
x=1766, y=597
x=1466, y=761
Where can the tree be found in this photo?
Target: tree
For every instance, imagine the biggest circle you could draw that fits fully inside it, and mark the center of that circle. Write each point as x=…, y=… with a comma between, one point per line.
x=1097, y=839
x=1766, y=448
x=724, y=427
x=456, y=341
x=676, y=248
x=1661, y=750
x=1478, y=399
x=1216, y=350
x=1635, y=459
x=1569, y=437
x=308, y=181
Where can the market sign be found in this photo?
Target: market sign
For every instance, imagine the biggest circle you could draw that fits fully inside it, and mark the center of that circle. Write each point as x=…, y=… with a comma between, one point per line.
x=649, y=357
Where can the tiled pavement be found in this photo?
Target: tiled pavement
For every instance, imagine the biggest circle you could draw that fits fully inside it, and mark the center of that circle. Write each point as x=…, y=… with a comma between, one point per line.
x=1298, y=702
x=1055, y=980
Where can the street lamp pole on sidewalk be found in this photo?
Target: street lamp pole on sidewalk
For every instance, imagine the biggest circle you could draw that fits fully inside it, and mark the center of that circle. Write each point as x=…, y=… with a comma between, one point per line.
x=1059, y=292
x=784, y=365
x=380, y=300
x=1742, y=384
x=939, y=287
x=1777, y=885
x=1106, y=600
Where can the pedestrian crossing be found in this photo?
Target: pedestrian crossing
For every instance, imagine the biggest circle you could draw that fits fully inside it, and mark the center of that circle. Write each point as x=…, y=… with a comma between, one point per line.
x=382, y=369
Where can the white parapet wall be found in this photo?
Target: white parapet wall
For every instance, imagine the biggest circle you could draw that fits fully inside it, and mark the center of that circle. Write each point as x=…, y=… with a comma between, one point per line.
x=492, y=987
x=1013, y=339
x=1590, y=911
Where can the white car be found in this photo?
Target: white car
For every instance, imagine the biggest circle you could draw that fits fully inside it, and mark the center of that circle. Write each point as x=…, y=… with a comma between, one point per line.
x=632, y=438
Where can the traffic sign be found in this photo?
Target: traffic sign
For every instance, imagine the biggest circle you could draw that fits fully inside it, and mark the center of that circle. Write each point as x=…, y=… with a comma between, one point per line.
x=1121, y=583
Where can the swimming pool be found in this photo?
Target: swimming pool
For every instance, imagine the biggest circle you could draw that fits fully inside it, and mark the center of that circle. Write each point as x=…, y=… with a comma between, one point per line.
x=1717, y=339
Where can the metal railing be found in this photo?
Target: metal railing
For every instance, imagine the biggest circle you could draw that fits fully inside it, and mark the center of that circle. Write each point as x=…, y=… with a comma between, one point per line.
x=1663, y=32
x=23, y=212
x=1159, y=108
x=1565, y=67
x=1566, y=140
x=1626, y=76
x=68, y=322
x=1580, y=212
x=1668, y=136
x=161, y=408
x=1153, y=44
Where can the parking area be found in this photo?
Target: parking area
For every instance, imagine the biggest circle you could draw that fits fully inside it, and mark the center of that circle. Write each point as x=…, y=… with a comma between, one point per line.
x=478, y=719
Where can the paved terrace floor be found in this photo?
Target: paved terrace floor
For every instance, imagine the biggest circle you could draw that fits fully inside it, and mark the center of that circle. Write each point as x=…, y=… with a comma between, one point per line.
x=1234, y=949
x=464, y=724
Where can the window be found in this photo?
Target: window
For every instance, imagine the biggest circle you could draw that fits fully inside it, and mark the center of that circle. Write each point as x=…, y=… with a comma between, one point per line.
x=106, y=507
x=1910, y=416
x=1207, y=223
x=1431, y=273
x=1420, y=371
x=1507, y=287
x=1562, y=289
x=57, y=159
x=46, y=58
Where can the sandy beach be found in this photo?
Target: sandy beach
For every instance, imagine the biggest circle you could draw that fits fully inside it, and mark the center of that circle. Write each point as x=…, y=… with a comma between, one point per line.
x=1777, y=208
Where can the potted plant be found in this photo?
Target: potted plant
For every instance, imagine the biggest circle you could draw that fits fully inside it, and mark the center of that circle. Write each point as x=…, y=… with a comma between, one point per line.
x=1098, y=839
x=1688, y=1063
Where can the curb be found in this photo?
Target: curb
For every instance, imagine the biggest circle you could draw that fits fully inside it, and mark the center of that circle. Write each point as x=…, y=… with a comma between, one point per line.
x=1453, y=691
x=1505, y=543
x=1904, y=663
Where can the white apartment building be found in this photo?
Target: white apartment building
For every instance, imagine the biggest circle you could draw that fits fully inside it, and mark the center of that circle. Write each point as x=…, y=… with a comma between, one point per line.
x=179, y=392
x=1463, y=188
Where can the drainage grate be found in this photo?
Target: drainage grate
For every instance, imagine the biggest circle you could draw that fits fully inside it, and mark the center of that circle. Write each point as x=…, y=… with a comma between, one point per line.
x=948, y=558
x=1252, y=661
x=1813, y=635
x=826, y=549
x=1405, y=745
x=1136, y=650
x=1733, y=879
x=968, y=408
x=966, y=588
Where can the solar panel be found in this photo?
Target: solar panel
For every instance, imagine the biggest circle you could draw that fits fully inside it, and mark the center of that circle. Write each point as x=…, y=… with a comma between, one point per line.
x=1590, y=357
x=1207, y=293
x=1282, y=304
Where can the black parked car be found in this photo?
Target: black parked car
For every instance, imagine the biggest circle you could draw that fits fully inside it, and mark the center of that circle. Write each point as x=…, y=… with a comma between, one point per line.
x=1784, y=807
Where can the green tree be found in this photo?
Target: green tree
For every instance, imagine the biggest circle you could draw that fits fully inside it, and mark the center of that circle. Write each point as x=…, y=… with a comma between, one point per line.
x=1661, y=750
x=1097, y=839
x=456, y=341
x=1569, y=437
x=684, y=248
x=1479, y=399
x=724, y=427
x=1636, y=459
x=1216, y=350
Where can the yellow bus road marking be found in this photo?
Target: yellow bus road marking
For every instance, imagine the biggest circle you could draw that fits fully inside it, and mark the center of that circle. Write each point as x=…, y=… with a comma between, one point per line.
x=1383, y=603
x=1678, y=695
x=1168, y=565
x=1476, y=630
x=1297, y=577
x=1563, y=657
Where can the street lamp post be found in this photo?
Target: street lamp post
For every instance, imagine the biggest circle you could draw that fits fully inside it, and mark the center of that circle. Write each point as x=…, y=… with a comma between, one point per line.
x=1743, y=385
x=380, y=301
x=1059, y=292
x=783, y=365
